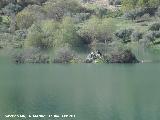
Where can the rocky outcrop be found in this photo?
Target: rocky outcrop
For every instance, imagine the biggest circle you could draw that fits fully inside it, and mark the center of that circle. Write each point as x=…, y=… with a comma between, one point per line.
x=93, y=57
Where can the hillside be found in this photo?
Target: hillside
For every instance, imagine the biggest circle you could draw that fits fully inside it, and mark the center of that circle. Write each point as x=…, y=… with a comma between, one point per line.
x=46, y=31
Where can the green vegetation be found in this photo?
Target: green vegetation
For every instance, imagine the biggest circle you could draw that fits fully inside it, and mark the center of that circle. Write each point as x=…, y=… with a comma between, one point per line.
x=132, y=4
x=50, y=25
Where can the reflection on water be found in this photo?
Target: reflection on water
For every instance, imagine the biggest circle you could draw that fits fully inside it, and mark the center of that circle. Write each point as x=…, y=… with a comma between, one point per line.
x=92, y=92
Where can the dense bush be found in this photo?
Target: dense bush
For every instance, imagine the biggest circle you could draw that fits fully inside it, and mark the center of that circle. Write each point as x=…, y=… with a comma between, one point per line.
x=158, y=12
x=42, y=35
x=24, y=19
x=1, y=4
x=114, y=14
x=49, y=33
x=29, y=15
x=56, y=9
x=30, y=56
x=22, y=3
x=118, y=2
x=80, y=17
x=123, y=56
x=67, y=33
x=115, y=2
x=21, y=34
x=139, y=12
x=145, y=17
x=157, y=34
x=10, y=41
x=124, y=35
x=132, y=4
x=136, y=36
x=6, y=39
x=96, y=30
x=98, y=10
x=0, y=19
x=149, y=36
x=4, y=28
x=19, y=38
x=64, y=55
x=18, y=58
x=155, y=27
x=133, y=14
x=37, y=11
x=11, y=8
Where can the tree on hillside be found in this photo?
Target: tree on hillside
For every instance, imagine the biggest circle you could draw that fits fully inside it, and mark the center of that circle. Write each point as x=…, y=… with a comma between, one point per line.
x=131, y=4
x=96, y=31
x=11, y=10
x=29, y=15
x=68, y=32
x=3, y=3
x=56, y=9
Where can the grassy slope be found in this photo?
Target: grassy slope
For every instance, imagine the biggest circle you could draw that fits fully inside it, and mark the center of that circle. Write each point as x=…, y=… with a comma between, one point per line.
x=122, y=24
x=143, y=27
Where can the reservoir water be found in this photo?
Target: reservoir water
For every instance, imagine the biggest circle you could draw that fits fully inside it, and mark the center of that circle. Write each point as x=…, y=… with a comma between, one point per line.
x=88, y=91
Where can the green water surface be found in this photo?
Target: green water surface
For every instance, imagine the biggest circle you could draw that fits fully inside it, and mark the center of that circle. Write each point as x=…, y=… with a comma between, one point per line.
x=89, y=91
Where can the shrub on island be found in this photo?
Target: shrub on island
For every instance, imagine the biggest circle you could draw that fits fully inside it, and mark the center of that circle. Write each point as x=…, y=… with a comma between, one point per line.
x=65, y=55
x=30, y=56
x=124, y=56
